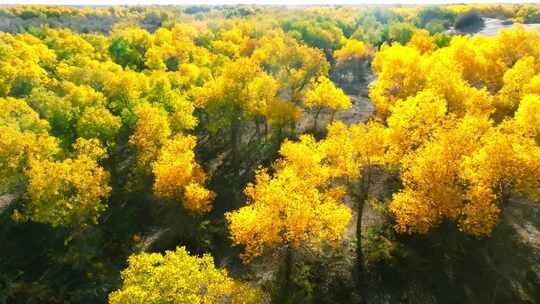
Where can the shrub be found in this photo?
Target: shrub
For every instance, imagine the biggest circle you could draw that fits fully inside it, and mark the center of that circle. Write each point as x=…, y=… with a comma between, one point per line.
x=469, y=22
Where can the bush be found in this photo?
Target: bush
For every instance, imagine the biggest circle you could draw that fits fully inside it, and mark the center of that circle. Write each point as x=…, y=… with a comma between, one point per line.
x=435, y=26
x=469, y=22
x=442, y=39
x=435, y=14
x=401, y=32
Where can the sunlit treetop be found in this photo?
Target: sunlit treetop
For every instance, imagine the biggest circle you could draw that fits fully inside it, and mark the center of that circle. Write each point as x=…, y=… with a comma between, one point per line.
x=400, y=74
x=422, y=41
x=179, y=277
x=177, y=175
x=352, y=50
x=296, y=207
x=70, y=192
x=324, y=94
x=465, y=174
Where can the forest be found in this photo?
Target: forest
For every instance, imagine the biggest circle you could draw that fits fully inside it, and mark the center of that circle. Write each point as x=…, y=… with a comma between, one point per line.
x=269, y=154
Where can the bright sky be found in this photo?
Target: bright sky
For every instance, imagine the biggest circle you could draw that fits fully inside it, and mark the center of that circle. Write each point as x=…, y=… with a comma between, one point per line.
x=281, y=2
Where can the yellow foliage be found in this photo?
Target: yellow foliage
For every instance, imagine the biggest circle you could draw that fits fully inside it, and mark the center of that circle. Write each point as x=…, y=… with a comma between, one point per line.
x=412, y=122
x=353, y=50
x=464, y=173
x=151, y=133
x=349, y=150
x=528, y=115
x=422, y=42
x=293, y=207
x=283, y=113
x=179, y=177
x=400, y=74
x=324, y=94
x=515, y=79
x=68, y=193
x=179, y=277
x=286, y=210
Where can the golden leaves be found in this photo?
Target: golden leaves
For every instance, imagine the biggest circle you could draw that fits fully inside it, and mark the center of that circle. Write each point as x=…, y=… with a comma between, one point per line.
x=353, y=50
x=324, y=94
x=177, y=175
x=179, y=277
x=68, y=193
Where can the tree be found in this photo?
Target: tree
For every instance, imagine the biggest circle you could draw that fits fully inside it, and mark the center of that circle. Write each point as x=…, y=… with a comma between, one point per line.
x=352, y=57
x=353, y=154
x=100, y=123
x=68, y=193
x=469, y=22
x=179, y=177
x=241, y=93
x=401, y=32
x=515, y=81
x=128, y=47
x=288, y=208
x=151, y=132
x=412, y=123
x=293, y=65
x=179, y=277
x=421, y=40
x=528, y=115
x=23, y=136
x=435, y=14
x=291, y=210
x=324, y=94
x=465, y=179
x=396, y=83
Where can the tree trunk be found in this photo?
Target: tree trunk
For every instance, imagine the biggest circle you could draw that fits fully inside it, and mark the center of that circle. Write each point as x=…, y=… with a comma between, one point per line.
x=265, y=131
x=286, y=285
x=361, y=201
x=359, y=254
x=258, y=129
x=235, y=135
x=315, y=119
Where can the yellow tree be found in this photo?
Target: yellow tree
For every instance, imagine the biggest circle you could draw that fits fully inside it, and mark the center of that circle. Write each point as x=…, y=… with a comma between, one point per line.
x=178, y=176
x=412, y=122
x=169, y=159
x=23, y=136
x=421, y=41
x=528, y=115
x=508, y=162
x=353, y=154
x=294, y=65
x=67, y=193
x=400, y=73
x=151, y=132
x=323, y=94
x=295, y=208
x=515, y=81
x=99, y=122
x=178, y=277
x=351, y=58
x=241, y=93
x=465, y=174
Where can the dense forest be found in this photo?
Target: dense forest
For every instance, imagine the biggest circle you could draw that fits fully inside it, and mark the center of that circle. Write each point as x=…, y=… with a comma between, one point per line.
x=269, y=154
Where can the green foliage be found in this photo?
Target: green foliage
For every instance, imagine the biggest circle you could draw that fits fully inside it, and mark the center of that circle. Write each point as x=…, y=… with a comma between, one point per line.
x=125, y=54
x=469, y=22
x=401, y=32
x=372, y=25
x=442, y=39
x=431, y=14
